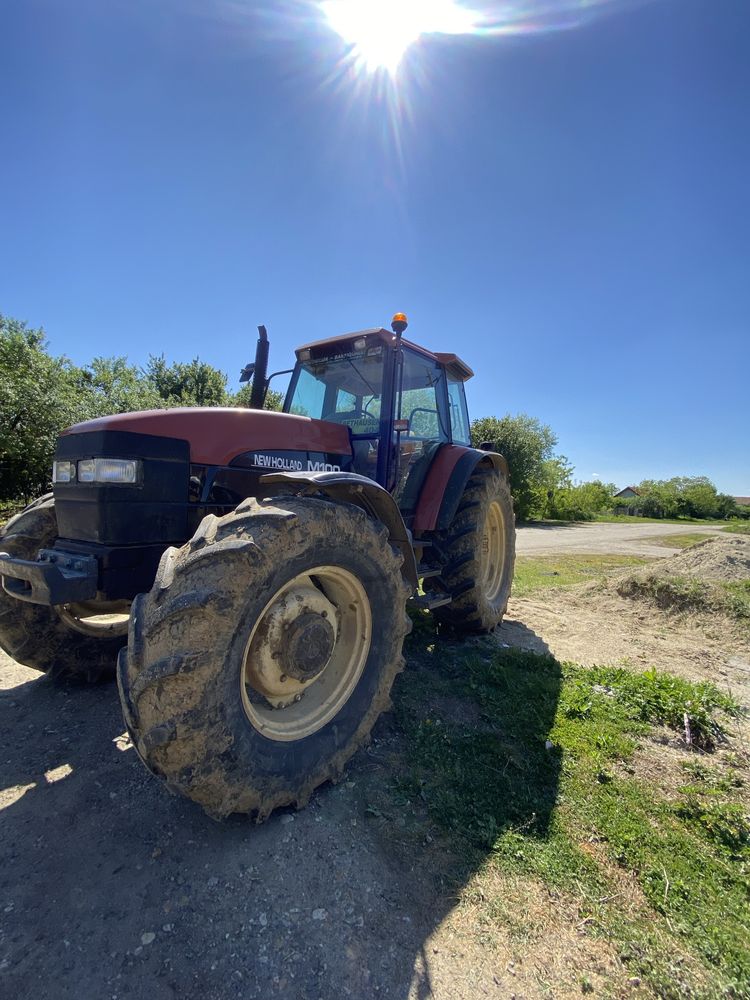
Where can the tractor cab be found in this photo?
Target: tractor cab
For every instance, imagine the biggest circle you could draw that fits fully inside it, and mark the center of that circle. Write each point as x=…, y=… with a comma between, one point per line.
x=400, y=402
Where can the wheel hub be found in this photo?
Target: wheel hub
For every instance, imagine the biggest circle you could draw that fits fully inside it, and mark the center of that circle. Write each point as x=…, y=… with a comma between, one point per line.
x=306, y=654
x=307, y=646
x=292, y=645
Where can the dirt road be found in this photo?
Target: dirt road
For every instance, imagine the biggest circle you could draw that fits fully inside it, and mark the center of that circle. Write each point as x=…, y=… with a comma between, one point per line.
x=111, y=889
x=628, y=539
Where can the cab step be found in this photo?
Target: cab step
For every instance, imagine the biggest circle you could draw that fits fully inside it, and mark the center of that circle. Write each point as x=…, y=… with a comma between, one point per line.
x=430, y=601
x=426, y=572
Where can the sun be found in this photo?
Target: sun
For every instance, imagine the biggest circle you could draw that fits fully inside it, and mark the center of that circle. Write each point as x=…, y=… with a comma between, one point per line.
x=380, y=31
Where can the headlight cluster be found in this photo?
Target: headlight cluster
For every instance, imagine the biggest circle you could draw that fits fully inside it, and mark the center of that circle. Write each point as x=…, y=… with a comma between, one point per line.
x=127, y=471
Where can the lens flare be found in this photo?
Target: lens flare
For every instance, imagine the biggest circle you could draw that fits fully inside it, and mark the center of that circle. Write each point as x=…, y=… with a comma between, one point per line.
x=381, y=31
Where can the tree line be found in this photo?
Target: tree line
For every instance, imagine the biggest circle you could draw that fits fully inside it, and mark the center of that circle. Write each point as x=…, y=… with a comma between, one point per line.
x=543, y=486
x=40, y=394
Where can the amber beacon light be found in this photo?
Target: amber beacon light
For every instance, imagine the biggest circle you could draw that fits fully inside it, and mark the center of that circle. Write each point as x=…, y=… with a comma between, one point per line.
x=399, y=323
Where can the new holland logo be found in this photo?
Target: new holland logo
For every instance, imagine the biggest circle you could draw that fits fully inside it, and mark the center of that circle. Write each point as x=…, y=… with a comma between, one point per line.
x=291, y=464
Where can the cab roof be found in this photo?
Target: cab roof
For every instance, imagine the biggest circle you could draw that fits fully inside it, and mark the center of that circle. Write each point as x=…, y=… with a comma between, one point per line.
x=455, y=366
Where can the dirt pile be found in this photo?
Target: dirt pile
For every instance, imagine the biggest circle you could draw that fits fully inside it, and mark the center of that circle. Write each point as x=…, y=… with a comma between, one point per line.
x=711, y=577
x=726, y=558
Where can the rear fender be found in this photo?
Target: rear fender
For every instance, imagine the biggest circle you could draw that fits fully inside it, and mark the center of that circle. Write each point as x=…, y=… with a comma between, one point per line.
x=445, y=484
x=348, y=487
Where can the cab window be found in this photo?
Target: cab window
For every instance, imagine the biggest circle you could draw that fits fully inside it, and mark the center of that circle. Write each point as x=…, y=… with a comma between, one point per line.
x=460, y=430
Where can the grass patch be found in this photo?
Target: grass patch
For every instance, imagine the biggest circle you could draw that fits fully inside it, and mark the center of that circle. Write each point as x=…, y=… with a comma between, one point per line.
x=737, y=598
x=738, y=528
x=535, y=573
x=524, y=763
x=688, y=593
x=685, y=541
x=634, y=519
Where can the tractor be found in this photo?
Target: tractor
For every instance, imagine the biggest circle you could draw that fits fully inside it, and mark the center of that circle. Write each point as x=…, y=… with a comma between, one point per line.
x=247, y=573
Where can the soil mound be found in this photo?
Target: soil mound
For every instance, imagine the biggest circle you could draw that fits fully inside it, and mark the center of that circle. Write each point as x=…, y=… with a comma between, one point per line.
x=726, y=559
x=711, y=577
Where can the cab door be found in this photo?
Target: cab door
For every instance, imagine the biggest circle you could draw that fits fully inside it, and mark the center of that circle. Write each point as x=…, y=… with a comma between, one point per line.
x=422, y=409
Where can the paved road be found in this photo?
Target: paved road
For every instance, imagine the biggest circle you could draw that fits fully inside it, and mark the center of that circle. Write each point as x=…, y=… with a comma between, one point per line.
x=627, y=539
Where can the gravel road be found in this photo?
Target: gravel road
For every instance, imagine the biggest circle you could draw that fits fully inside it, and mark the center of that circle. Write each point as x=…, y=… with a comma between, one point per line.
x=597, y=537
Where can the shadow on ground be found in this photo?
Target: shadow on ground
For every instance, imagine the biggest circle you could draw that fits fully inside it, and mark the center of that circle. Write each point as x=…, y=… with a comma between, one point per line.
x=111, y=887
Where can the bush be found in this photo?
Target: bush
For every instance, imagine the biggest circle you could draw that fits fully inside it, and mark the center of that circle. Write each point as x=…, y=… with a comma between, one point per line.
x=582, y=502
x=527, y=445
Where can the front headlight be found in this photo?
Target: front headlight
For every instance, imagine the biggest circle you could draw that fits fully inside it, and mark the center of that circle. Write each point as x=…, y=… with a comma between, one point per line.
x=63, y=472
x=109, y=470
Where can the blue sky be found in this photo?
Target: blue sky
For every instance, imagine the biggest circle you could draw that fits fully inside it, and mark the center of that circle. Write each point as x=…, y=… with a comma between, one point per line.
x=567, y=210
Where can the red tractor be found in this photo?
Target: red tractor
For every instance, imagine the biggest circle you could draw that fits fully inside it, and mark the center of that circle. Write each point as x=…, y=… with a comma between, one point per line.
x=253, y=569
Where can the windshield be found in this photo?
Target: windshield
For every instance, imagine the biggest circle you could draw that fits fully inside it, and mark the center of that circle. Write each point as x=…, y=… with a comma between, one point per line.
x=343, y=388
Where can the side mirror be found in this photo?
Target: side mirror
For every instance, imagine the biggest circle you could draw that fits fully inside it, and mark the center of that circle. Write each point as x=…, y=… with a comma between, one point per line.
x=247, y=372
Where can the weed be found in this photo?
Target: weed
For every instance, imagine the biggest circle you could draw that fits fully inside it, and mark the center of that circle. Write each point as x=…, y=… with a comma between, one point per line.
x=737, y=597
x=662, y=698
x=722, y=823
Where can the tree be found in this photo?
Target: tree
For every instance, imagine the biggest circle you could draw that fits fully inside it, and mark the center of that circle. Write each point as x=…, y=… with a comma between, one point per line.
x=682, y=496
x=39, y=395
x=114, y=386
x=193, y=384
x=582, y=501
x=273, y=401
x=527, y=444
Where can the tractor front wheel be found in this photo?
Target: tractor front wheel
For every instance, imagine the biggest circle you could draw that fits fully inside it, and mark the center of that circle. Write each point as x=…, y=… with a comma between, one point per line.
x=264, y=653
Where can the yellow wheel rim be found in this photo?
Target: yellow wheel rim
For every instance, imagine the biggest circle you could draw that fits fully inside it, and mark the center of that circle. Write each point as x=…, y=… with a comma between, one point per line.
x=306, y=653
x=492, y=561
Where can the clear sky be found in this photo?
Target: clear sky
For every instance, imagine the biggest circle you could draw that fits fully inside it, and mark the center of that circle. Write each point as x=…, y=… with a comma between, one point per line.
x=568, y=210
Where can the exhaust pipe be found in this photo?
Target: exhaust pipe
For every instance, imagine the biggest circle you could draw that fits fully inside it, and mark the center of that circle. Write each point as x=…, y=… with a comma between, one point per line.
x=258, y=391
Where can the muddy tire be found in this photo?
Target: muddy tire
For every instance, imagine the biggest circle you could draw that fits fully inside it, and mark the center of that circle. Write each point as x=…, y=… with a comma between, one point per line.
x=44, y=638
x=479, y=552
x=264, y=653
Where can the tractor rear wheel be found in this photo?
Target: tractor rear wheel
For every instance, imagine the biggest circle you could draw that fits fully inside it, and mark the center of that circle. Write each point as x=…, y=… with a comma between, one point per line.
x=72, y=640
x=479, y=550
x=264, y=653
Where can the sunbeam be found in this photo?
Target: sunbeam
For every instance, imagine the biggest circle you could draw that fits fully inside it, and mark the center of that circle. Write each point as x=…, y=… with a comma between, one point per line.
x=379, y=33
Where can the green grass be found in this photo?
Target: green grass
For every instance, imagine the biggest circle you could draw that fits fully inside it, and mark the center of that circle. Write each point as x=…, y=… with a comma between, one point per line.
x=524, y=763
x=685, y=541
x=634, y=519
x=737, y=598
x=738, y=528
x=535, y=573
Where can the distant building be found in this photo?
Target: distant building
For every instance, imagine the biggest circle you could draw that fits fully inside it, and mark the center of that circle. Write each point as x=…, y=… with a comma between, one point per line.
x=623, y=504
x=742, y=501
x=629, y=491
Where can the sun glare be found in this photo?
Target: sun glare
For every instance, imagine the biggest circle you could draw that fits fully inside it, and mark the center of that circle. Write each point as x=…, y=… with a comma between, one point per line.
x=381, y=31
